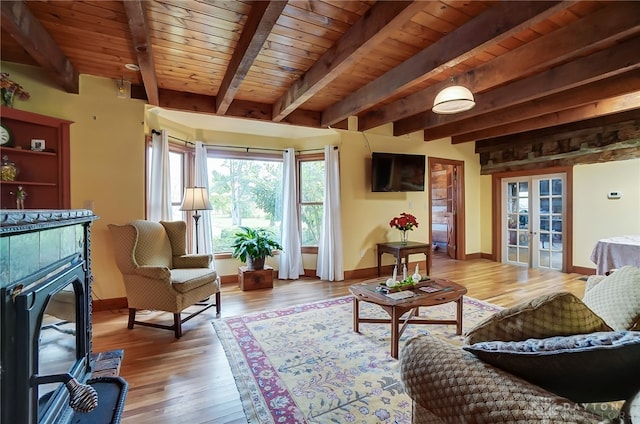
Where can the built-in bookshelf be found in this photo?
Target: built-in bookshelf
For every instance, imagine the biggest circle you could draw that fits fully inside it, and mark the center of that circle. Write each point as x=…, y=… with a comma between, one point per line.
x=39, y=147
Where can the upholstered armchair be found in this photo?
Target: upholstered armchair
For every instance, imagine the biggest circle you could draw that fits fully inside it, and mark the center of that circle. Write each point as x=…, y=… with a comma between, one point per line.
x=159, y=275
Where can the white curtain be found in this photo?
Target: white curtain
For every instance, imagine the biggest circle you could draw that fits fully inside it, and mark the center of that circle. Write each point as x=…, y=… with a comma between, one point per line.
x=160, y=179
x=201, y=179
x=290, y=265
x=330, y=262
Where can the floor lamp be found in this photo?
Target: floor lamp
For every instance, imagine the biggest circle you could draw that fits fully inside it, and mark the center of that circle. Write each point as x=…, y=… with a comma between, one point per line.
x=195, y=199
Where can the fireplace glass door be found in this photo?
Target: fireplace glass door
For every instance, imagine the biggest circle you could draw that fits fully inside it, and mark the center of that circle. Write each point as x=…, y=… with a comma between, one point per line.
x=54, y=308
x=57, y=351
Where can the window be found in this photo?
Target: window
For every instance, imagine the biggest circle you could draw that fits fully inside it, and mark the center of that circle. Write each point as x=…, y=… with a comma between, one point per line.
x=244, y=191
x=179, y=170
x=176, y=168
x=311, y=197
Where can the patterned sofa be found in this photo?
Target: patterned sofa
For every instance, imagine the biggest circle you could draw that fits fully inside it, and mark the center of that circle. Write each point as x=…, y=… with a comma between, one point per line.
x=555, y=359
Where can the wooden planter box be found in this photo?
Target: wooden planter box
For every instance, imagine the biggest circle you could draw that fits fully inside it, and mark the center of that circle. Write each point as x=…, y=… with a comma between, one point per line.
x=253, y=280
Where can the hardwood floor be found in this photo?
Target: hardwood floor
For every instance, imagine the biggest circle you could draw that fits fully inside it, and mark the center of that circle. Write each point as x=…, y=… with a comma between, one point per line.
x=189, y=380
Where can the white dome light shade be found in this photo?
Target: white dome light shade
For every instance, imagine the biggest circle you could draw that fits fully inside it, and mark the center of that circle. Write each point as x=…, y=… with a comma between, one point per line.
x=453, y=99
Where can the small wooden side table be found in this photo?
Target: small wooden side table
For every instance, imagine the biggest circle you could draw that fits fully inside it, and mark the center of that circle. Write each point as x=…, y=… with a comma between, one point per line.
x=250, y=279
x=403, y=250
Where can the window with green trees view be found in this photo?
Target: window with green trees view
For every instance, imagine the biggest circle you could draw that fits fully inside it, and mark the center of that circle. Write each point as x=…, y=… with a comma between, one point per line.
x=247, y=191
x=311, y=198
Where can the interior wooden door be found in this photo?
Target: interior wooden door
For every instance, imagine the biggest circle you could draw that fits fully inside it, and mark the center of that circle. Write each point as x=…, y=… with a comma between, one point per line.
x=451, y=236
x=447, y=204
x=452, y=206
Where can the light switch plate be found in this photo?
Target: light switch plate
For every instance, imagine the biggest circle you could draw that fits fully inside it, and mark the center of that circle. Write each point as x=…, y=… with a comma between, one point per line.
x=614, y=195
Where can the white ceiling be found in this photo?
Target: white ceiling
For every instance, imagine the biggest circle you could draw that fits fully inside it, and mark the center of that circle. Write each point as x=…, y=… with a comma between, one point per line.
x=207, y=122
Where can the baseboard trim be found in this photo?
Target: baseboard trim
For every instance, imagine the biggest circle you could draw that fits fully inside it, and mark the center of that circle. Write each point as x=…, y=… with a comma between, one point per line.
x=469, y=256
x=229, y=279
x=109, y=304
x=311, y=273
x=583, y=270
x=362, y=273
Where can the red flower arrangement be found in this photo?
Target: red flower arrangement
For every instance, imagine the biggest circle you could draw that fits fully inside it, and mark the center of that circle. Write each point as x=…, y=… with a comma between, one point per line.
x=404, y=222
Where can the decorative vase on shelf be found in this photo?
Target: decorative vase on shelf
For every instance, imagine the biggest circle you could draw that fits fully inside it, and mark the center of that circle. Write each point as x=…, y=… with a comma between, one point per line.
x=404, y=236
x=8, y=96
x=10, y=89
x=8, y=170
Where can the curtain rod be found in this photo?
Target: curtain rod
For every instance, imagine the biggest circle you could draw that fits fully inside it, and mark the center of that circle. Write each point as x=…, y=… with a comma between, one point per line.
x=153, y=131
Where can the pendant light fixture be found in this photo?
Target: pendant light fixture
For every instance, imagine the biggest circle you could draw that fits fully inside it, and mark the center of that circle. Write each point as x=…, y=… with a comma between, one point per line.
x=453, y=99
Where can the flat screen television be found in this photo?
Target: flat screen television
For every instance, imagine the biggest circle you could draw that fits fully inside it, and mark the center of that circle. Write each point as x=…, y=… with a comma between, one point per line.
x=397, y=172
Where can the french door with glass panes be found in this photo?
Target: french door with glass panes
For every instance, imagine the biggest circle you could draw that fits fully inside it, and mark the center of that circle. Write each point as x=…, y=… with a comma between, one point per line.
x=533, y=216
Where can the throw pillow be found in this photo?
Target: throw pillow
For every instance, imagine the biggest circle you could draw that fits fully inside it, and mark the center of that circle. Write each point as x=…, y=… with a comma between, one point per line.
x=592, y=281
x=557, y=314
x=616, y=299
x=597, y=367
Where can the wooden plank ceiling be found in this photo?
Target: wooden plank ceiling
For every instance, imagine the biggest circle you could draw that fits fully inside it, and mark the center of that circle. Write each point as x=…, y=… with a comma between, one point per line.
x=530, y=65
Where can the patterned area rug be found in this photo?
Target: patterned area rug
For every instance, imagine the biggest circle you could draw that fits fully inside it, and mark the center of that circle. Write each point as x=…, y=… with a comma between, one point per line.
x=304, y=364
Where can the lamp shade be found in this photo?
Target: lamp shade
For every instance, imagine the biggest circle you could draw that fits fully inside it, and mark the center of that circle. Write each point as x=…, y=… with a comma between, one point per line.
x=453, y=99
x=195, y=199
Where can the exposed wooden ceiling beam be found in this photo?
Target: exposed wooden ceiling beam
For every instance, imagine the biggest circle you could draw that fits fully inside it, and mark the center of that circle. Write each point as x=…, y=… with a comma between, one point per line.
x=606, y=63
x=551, y=111
x=601, y=139
x=622, y=103
x=491, y=27
x=371, y=29
x=20, y=23
x=556, y=132
x=142, y=45
x=620, y=151
x=201, y=103
x=260, y=21
x=602, y=28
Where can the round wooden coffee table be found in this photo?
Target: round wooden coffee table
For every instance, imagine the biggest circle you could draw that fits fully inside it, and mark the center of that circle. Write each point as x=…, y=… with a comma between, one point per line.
x=427, y=293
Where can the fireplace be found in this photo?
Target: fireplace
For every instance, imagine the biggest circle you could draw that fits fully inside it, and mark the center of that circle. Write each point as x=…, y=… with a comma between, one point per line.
x=45, y=287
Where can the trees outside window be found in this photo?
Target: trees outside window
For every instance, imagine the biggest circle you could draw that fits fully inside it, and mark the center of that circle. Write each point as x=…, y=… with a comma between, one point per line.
x=244, y=192
x=311, y=198
x=177, y=162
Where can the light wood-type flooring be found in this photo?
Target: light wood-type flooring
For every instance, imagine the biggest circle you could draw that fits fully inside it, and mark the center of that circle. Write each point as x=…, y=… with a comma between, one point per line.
x=189, y=380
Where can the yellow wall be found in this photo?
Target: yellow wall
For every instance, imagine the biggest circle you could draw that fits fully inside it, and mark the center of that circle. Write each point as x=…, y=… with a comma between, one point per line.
x=108, y=164
x=107, y=157
x=365, y=215
x=595, y=216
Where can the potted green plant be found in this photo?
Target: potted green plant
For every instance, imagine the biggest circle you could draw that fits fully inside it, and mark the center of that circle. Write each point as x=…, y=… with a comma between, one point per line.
x=253, y=245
